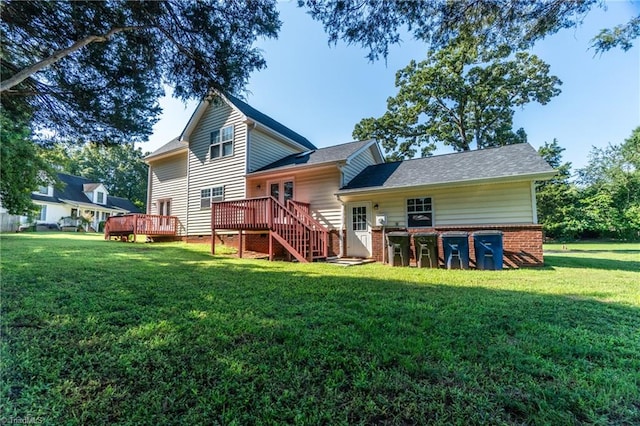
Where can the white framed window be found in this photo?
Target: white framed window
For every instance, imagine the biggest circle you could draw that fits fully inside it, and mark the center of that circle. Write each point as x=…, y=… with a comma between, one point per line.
x=164, y=207
x=43, y=213
x=221, y=143
x=44, y=190
x=210, y=195
x=100, y=197
x=419, y=212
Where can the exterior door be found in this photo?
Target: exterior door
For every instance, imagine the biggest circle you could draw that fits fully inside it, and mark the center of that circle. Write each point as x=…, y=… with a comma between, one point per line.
x=281, y=190
x=359, y=229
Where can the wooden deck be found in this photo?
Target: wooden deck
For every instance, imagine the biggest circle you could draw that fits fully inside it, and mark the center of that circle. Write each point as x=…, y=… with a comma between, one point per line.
x=292, y=226
x=123, y=227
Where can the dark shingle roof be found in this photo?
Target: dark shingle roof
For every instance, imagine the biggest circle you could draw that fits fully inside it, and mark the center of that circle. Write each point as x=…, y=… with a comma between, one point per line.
x=172, y=145
x=493, y=163
x=72, y=190
x=122, y=203
x=256, y=115
x=318, y=156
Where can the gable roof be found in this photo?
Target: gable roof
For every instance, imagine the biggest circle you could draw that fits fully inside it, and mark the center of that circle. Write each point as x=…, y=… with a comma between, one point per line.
x=507, y=162
x=330, y=154
x=73, y=192
x=250, y=113
x=265, y=120
x=171, y=147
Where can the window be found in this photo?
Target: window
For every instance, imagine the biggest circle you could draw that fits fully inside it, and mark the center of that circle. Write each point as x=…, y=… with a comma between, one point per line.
x=419, y=212
x=44, y=190
x=221, y=143
x=100, y=197
x=359, y=218
x=43, y=214
x=209, y=195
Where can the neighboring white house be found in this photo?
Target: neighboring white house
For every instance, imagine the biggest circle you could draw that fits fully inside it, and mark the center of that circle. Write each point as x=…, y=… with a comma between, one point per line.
x=230, y=151
x=77, y=197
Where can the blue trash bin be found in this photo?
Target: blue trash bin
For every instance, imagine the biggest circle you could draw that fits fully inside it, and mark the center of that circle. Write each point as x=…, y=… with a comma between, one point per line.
x=455, y=246
x=489, y=251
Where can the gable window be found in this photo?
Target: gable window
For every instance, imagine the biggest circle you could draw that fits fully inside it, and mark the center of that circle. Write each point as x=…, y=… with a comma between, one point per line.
x=221, y=143
x=419, y=212
x=209, y=195
x=100, y=197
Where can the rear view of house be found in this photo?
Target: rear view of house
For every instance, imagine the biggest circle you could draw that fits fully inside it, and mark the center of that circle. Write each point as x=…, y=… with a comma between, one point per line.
x=239, y=177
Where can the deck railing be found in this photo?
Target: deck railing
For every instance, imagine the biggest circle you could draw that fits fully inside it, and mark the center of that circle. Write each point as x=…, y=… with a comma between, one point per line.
x=141, y=224
x=293, y=227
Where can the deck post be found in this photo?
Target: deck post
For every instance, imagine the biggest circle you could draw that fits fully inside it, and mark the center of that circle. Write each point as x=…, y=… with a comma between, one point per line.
x=213, y=230
x=270, y=246
x=135, y=227
x=240, y=244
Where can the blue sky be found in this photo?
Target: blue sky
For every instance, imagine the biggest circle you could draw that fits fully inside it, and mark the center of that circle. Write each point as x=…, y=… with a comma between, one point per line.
x=322, y=91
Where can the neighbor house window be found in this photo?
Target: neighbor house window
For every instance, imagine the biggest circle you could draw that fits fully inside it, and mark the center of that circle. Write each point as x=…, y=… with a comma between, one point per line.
x=209, y=195
x=419, y=212
x=43, y=190
x=221, y=143
x=43, y=214
x=100, y=197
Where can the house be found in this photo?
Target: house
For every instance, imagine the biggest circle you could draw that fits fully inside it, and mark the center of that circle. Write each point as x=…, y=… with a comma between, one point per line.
x=78, y=197
x=242, y=178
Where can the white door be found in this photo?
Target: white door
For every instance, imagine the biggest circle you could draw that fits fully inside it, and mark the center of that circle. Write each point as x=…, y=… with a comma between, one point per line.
x=359, y=229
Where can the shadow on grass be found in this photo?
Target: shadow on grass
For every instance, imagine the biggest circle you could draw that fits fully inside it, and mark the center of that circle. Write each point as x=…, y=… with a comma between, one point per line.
x=591, y=263
x=176, y=336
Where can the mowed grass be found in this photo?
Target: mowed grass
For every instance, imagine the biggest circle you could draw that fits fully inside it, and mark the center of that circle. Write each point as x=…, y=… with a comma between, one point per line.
x=97, y=332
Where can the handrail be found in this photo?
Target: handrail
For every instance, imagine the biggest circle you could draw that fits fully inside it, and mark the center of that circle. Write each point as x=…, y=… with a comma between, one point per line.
x=137, y=223
x=300, y=233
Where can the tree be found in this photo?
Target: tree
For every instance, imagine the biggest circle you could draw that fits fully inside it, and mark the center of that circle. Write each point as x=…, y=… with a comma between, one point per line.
x=461, y=95
x=557, y=199
x=120, y=167
x=21, y=169
x=93, y=71
x=375, y=24
x=611, y=189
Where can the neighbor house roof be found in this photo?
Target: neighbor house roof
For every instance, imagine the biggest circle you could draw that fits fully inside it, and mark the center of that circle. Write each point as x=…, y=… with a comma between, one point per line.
x=73, y=189
x=330, y=154
x=171, y=147
x=507, y=162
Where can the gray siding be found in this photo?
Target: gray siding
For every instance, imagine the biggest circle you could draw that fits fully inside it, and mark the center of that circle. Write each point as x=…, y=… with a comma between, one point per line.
x=265, y=150
x=357, y=165
x=205, y=172
x=169, y=180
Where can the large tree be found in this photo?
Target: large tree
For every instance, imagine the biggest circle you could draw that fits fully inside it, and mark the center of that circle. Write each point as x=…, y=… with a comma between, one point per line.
x=375, y=24
x=92, y=71
x=611, y=189
x=557, y=199
x=22, y=170
x=463, y=96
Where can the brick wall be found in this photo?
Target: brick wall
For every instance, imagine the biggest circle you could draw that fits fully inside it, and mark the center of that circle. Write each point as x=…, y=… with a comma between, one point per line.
x=522, y=244
x=260, y=242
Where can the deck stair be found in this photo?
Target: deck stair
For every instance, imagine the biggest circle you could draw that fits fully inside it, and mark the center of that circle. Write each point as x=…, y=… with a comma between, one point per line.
x=292, y=225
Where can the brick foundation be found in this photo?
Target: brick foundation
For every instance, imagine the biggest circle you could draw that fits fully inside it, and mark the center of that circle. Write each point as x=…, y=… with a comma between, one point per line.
x=259, y=242
x=522, y=244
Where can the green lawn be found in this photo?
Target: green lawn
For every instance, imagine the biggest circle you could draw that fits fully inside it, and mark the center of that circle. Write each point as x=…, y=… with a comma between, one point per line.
x=97, y=332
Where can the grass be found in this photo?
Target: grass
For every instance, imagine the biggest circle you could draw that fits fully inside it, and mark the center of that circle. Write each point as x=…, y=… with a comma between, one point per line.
x=97, y=332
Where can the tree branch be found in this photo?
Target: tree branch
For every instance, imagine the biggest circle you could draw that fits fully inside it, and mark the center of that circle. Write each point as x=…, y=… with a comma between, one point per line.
x=27, y=72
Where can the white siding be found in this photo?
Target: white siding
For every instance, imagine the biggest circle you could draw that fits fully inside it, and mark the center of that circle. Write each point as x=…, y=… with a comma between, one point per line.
x=206, y=173
x=265, y=150
x=504, y=203
x=318, y=189
x=169, y=181
x=55, y=212
x=358, y=164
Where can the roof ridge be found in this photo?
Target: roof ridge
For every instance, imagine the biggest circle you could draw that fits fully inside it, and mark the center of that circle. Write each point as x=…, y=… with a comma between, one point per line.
x=469, y=152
